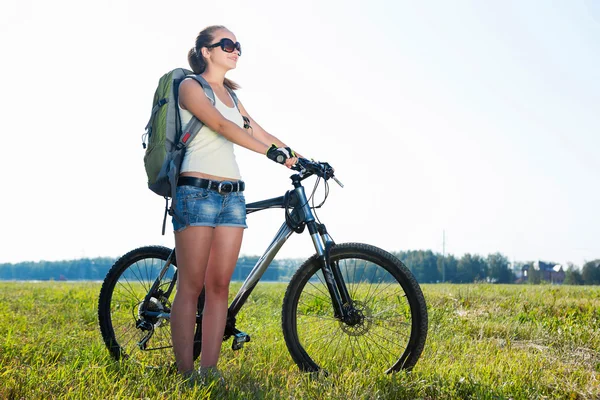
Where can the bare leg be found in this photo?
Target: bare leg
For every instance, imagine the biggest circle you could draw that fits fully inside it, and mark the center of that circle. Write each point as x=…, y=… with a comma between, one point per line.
x=223, y=257
x=192, y=247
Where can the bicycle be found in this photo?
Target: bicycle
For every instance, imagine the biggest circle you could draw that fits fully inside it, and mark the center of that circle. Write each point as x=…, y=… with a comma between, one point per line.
x=350, y=305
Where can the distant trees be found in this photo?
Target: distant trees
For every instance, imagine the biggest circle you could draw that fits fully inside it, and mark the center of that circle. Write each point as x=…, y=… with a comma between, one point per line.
x=573, y=276
x=471, y=268
x=423, y=264
x=80, y=269
x=278, y=270
x=448, y=267
x=590, y=273
x=494, y=268
x=499, y=269
x=427, y=266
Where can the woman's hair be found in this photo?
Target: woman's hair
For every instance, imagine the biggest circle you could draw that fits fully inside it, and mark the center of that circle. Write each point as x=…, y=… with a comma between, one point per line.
x=197, y=62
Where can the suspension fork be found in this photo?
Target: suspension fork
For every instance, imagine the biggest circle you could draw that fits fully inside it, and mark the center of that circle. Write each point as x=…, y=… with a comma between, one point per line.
x=323, y=244
x=334, y=280
x=335, y=267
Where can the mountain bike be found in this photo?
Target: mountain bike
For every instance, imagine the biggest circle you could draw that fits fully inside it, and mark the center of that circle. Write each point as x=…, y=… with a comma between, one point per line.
x=349, y=306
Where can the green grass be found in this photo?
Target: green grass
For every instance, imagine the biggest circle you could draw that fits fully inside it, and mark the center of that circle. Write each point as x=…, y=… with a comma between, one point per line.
x=485, y=342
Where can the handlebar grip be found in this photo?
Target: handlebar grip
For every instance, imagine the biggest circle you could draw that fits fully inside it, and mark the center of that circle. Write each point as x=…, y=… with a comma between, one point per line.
x=300, y=164
x=321, y=169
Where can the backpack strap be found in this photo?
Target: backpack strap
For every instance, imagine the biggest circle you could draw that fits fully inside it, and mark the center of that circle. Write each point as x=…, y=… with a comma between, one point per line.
x=209, y=92
x=156, y=107
x=194, y=124
x=207, y=89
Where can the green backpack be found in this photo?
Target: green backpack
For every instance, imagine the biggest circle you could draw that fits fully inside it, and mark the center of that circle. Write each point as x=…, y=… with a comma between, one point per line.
x=167, y=139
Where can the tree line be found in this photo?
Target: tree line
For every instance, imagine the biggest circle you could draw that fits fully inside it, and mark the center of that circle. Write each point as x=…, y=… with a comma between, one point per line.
x=430, y=267
x=589, y=274
x=426, y=265
x=95, y=269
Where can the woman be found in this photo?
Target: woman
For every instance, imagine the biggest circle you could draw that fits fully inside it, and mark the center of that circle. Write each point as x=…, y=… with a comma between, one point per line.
x=208, y=239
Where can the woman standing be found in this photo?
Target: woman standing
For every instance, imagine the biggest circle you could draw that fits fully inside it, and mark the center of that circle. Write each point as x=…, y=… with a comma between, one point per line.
x=210, y=198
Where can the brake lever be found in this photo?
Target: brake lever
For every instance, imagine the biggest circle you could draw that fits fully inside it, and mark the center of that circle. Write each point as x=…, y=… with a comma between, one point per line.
x=338, y=182
x=326, y=167
x=329, y=174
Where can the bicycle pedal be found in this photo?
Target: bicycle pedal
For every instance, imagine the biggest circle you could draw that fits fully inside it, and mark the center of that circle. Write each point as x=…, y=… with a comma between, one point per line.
x=239, y=339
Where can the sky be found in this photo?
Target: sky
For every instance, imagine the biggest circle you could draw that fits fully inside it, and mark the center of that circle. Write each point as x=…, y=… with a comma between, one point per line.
x=459, y=127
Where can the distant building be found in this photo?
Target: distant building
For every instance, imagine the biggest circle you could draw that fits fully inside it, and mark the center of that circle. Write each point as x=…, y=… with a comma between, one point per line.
x=549, y=272
x=517, y=271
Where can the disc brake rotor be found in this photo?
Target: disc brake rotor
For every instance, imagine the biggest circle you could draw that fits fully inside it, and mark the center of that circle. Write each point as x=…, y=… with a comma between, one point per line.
x=362, y=315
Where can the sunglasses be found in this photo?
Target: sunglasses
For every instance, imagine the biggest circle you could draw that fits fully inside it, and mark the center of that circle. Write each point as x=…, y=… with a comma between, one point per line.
x=227, y=46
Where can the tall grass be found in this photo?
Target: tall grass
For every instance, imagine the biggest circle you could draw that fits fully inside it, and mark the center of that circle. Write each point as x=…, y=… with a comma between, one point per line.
x=485, y=342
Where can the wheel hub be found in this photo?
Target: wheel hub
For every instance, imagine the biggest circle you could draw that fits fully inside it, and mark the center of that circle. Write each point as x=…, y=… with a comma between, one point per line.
x=358, y=322
x=154, y=305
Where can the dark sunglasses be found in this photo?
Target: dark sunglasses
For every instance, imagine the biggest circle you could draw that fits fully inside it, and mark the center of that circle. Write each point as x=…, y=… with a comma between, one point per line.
x=227, y=46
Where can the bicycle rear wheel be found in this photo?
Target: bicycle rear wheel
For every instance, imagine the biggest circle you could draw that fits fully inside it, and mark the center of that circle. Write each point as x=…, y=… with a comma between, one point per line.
x=127, y=331
x=390, y=326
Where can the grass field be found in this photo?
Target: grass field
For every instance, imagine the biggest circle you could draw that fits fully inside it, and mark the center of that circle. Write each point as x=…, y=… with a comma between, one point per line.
x=485, y=342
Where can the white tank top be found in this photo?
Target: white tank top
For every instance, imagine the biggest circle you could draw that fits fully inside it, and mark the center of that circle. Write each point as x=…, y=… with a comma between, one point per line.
x=210, y=152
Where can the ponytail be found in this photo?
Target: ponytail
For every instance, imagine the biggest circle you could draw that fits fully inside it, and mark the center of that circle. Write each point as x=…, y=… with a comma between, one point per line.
x=196, y=61
x=231, y=84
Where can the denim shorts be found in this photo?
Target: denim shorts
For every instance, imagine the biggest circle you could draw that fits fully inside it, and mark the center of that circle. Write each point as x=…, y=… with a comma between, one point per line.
x=204, y=207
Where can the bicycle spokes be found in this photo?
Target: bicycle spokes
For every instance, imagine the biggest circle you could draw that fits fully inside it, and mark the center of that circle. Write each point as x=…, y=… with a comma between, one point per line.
x=376, y=325
x=135, y=307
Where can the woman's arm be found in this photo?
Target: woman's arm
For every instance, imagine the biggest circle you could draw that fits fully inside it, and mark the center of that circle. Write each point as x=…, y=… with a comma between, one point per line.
x=262, y=135
x=193, y=99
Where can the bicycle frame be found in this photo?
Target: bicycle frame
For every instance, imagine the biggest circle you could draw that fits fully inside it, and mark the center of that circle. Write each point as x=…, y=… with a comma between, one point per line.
x=322, y=242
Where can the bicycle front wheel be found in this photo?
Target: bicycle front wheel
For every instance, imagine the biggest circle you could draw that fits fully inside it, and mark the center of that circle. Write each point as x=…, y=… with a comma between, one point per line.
x=130, y=329
x=389, y=325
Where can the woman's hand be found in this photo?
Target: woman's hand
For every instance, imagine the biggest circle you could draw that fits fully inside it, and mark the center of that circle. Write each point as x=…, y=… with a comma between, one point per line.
x=290, y=162
x=282, y=155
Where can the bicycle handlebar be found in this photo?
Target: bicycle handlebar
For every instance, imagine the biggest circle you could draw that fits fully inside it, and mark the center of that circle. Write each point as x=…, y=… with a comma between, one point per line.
x=321, y=169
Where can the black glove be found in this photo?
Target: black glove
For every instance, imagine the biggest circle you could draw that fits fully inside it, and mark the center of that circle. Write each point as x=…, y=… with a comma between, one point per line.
x=280, y=154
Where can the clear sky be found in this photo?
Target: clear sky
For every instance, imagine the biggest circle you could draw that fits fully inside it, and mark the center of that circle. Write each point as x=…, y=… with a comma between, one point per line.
x=480, y=119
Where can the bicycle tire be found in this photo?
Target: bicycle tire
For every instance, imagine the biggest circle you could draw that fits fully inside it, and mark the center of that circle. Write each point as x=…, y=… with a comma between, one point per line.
x=122, y=293
x=318, y=341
